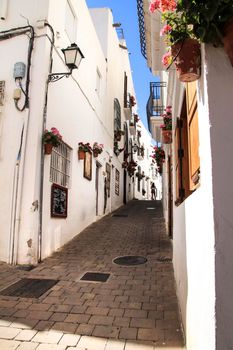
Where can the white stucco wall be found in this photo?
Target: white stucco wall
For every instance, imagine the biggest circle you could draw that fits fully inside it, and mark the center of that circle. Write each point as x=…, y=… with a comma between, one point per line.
x=75, y=108
x=219, y=78
x=194, y=243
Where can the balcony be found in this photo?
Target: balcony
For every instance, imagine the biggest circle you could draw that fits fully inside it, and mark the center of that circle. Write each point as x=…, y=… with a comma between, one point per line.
x=155, y=109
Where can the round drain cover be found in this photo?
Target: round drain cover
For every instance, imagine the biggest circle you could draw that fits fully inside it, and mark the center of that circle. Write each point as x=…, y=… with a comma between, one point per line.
x=130, y=260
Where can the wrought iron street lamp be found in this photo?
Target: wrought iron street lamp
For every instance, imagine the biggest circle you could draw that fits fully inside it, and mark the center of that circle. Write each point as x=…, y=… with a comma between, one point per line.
x=73, y=56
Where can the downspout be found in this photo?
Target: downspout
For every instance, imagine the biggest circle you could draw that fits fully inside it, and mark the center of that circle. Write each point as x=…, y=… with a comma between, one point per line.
x=39, y=257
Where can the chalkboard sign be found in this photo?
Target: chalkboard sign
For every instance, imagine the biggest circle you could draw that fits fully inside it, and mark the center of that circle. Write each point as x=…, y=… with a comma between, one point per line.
x=59, y=200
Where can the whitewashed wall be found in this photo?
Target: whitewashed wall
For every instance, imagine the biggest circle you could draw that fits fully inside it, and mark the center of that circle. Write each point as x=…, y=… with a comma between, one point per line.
x=74, y=107
x=219, y=86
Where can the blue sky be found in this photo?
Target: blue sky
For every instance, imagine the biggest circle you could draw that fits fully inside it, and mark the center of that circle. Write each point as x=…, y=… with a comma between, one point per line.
x=125, y=12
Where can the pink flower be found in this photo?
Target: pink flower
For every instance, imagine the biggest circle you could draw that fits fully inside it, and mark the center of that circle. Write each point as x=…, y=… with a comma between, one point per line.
x=162, y=5
x=154, y=5
x=166, y=29
x=55, y=131
x=167, y=59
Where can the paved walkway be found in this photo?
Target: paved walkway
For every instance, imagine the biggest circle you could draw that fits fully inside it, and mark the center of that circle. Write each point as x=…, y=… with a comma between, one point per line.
x=135, y=309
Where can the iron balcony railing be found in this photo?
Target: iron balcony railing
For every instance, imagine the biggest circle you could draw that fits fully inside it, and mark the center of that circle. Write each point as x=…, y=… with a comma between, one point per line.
x=155, y=104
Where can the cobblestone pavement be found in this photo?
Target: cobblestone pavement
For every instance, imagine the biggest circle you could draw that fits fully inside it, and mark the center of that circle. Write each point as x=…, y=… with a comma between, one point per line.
x=136, y=309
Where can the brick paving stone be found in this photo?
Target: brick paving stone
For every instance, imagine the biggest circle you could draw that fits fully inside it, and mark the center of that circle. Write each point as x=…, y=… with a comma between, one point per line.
x=26, y=335
x=39, y=307
x=8, y=344
x=139, y=346
x=22, y=305
x=49, y=337
x=6, y=311
x=92, y=343
x=142, y=323
x=44, y=325
x=60, y=308
x=116, y=312
x=106, y=331
x=101, y=320
x=136, y=313
x=150, y=334
x=8, y=332
x=85, y=329
x=168, y=324
x=115, y=344
x=65, y=327
x=128, y=333
x=69, y=339
x=156, y=315
x=8, y=303
x=5, y=323
x=39, y=315
x=58, y=317
x=28, y=346
x=121, y=321
x=51, y=347
x=78, y=309
x=101, y=311
x=77, y=318
x=136, y=306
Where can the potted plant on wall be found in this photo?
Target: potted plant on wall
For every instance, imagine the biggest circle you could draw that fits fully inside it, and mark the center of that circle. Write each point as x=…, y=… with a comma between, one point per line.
x=159, y=157
x=211, y=21
x=183, y=47
x=118, y=133
x=167, y=126
x=82, y=148
x=97, y=149
x=51, y=139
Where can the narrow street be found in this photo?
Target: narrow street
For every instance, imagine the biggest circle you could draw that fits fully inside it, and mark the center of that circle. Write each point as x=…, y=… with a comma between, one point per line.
x=136, y=308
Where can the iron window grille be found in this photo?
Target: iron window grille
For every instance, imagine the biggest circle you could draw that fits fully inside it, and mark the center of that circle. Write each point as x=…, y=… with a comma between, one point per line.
x=60, y=166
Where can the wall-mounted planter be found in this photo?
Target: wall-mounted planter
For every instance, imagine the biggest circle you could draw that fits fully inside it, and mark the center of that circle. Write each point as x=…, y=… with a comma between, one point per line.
x=187, y=59
x=132, y=130
x=81, y=154
x=166, y=136
x=128, y=113
x=48, y=147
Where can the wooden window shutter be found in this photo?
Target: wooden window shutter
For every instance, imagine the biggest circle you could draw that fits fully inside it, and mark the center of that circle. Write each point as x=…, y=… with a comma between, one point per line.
x=178, y=163
x=193, y=135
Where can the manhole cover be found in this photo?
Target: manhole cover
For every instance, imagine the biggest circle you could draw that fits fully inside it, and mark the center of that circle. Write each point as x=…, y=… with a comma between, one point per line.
x=120, y=215
x=130, y=260
x=28, y=288
x=95, y=277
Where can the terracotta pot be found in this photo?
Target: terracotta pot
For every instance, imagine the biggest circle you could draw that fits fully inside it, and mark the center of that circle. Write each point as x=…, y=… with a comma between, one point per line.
x=166, y=136
x=228, y=39
x=48, y=147
x=187, y=58
x=81, y=155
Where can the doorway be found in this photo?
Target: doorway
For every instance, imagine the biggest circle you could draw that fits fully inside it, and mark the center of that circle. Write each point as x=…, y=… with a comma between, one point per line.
x=97, y=173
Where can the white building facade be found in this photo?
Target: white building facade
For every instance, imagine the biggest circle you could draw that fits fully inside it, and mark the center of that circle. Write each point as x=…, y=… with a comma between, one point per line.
x=48, y=199
x=199, y=210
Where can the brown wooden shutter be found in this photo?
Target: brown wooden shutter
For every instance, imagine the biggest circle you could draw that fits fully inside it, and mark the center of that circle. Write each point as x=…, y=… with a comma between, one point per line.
x=193, y=136
x=178, y=163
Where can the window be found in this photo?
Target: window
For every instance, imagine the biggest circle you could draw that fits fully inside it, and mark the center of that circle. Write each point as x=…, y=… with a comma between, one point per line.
x=117, y=182
x=98, y=82
x=187, y=162
x=117, y=115
x=60, y=165
x=70, y=23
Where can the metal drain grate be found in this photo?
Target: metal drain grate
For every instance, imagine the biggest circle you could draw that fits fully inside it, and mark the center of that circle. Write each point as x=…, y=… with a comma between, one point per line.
x=28, y=288
x=95, y=277
x=130, y=260
x=164, y=259
x=120, y=215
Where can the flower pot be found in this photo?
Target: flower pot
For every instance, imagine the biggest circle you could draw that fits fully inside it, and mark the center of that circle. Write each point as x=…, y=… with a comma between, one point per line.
x=228, y=39
x=95, y=154
x=81, y=154
x=166, y=136
x=48, y=147
x=187, y=58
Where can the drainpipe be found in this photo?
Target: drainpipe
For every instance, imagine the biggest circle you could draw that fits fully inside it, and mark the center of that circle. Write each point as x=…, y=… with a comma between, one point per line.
x=39, y=257
x=3, y=9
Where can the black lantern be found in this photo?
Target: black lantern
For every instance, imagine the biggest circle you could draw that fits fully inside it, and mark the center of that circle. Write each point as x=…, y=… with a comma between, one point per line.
x=73, y=56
